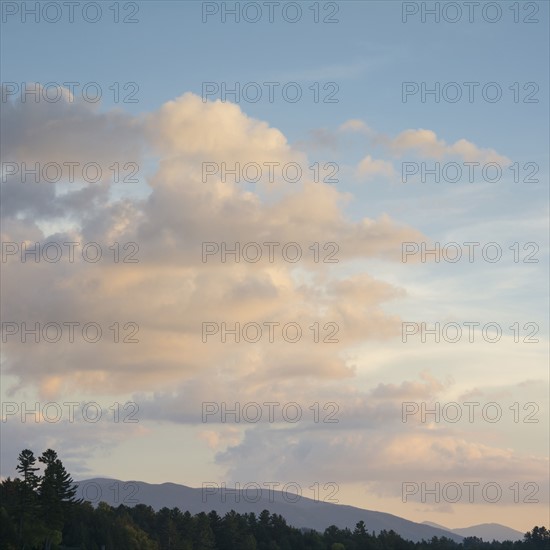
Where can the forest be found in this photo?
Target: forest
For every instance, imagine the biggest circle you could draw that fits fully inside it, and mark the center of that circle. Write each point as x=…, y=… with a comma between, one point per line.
x=39, y=511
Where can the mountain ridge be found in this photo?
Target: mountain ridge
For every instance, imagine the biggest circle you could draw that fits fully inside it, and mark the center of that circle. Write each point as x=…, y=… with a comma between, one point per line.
x=485, y=531
x=304, y=513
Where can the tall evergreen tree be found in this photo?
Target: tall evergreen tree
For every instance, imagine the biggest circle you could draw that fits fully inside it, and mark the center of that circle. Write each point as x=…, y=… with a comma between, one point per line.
x=538, y=537
x=28, y=504
x=204, y=536
x=57, y=492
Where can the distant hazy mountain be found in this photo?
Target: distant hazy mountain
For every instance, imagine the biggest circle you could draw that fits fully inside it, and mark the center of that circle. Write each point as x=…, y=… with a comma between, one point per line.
x=305, y=512
x=485, y=531
x=433, y=524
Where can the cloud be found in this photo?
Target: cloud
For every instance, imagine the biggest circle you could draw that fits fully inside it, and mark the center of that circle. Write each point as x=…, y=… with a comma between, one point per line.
x=222, y=436
x=171, y=291
x=382, y=460
x=356, y=125
x=370, y=168
x=425, y=143
x=68, y=131
x=319, y=139
x=188, y=126
x=418, y=143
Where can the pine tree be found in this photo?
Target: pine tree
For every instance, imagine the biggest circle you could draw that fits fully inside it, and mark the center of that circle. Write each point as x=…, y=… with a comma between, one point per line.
x=26, y=467
x=57, y=492
x=204, y=536
x=28, y=506
x=538, y=537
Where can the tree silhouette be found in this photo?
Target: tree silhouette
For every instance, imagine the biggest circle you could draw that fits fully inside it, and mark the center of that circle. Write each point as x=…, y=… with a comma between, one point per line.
x=538, y=537
x=56, y=494
x=41, y=513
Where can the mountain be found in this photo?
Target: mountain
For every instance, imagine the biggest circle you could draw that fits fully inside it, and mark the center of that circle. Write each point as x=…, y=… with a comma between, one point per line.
x=486, y=531
x=432, y=524
x=305, y=513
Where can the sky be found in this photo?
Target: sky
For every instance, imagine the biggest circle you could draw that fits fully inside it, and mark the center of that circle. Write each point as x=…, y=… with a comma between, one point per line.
x=379, y=170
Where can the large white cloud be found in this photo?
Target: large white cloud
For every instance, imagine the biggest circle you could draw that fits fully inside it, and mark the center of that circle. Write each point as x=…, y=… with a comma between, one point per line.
x=172, y=291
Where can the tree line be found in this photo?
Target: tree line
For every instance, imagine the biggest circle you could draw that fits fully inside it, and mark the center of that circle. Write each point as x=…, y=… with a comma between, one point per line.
x=40, y=512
